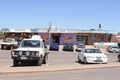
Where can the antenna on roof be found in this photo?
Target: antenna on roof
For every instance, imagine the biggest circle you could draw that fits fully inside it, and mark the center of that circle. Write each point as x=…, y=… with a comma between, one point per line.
x=100, y=26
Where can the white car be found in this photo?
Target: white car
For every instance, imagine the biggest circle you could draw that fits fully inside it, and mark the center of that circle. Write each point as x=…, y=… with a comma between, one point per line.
x=92, y=55
x=113, y=49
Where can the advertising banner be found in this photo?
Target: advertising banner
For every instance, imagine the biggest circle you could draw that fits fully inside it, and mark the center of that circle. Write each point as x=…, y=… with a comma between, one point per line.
x=68, y=38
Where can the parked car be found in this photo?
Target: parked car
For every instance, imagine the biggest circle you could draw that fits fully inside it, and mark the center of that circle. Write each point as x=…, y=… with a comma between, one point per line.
x=9, y=43
x=113, y=49
x=68, y=47
x=9, y=40
x=54, y=46
x=80, y=47
x=92, y=55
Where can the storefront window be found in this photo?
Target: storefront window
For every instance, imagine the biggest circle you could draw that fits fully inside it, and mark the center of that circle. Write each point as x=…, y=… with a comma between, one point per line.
x=101, y=38
x=108, y=37
x=81, y=39
x=92, y=39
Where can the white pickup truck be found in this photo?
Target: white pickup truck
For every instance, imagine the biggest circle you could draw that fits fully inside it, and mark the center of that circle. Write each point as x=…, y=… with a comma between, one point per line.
x=9, y=43
x=30, y=50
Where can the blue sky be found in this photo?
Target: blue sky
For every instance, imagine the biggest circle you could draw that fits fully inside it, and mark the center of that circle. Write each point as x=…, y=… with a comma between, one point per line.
x=64, y=14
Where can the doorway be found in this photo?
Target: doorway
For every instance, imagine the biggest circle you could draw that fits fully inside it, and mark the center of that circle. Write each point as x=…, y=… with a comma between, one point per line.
x=55, y=38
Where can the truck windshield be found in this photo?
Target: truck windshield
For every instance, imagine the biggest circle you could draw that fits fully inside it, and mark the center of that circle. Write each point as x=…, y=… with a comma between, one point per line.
x=30, y=43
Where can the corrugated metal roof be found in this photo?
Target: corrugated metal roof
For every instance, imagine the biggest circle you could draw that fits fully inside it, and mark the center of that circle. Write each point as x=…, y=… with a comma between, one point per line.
x=41, y=30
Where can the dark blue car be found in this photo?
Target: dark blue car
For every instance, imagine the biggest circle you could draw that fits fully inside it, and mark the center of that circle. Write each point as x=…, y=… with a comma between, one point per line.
x=54, y=46
x=68, y=47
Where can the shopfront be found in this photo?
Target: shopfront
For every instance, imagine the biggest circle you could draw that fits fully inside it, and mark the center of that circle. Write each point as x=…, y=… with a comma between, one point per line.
x=63, y=36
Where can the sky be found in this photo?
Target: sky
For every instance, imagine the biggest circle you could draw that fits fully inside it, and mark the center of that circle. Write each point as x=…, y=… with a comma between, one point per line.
x=63, y=14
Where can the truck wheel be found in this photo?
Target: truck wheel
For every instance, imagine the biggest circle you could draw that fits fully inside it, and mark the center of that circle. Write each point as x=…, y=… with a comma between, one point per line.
x=45, y=60
x=2, y=47
x=15, y=63
x=114, y=51
x=119, y=58
x=39, y=62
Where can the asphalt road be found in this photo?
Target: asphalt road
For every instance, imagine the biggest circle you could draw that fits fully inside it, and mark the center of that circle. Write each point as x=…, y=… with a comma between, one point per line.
x=90, y=74
x=58, y=59
x=55, y=58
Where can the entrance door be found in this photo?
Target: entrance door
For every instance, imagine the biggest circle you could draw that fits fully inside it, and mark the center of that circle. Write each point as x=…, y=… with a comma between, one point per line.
x=55, y=38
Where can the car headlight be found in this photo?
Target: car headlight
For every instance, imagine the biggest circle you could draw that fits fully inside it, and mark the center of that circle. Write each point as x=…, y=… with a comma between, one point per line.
x=20, y=52
x=27, y=53
x=37, y=53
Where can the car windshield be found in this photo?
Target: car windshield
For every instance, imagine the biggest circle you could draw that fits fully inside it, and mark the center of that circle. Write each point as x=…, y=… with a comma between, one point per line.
x=92, y=51
x=30, y=43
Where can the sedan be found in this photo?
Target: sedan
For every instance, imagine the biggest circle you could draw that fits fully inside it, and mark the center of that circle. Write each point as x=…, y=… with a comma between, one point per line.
x=54, y=46
x=92, y=55
x=113, y=49
x=80, y=47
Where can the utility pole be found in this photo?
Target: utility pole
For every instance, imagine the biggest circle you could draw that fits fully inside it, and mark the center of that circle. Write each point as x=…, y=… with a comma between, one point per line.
x=49, y=29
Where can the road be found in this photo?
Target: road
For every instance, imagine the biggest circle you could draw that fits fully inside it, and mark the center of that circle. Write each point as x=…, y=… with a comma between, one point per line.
x=5, y=58
x=59, y=59
x=90, y=74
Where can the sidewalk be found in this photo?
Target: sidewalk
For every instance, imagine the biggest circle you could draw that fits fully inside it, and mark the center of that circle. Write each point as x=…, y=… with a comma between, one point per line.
x=47, y=68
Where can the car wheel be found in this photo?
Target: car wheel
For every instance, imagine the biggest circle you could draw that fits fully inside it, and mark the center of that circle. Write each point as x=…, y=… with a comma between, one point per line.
x=85, y=60
x=79, y=60
x=119, y=58
x=114, y=51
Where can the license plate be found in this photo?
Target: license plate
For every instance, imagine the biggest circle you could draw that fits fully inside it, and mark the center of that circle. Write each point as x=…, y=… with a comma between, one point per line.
x=23, y=58
x=98, y=58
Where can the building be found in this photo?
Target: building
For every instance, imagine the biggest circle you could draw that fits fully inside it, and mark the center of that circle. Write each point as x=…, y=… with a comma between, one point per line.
x=61, y=36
